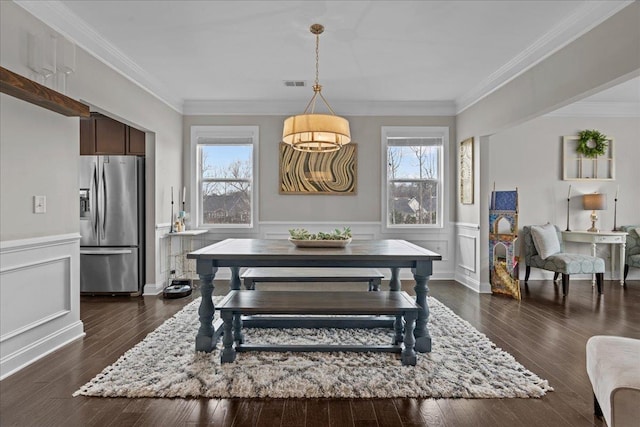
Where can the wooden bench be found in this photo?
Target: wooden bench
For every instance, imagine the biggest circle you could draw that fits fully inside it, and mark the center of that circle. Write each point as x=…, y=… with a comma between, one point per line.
x=252, y=302
x=276, y=274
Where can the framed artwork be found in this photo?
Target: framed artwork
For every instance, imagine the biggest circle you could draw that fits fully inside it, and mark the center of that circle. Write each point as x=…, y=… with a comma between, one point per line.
x=318, y=173
x=466, y=172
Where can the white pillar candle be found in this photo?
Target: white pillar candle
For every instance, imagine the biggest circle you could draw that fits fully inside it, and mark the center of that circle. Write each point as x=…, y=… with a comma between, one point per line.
x=171, y=194
x=184, y=194
x=569, y=195
x=617, y=190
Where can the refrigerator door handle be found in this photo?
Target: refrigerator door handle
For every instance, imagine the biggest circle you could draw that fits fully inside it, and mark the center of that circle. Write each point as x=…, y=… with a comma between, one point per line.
x=94, y=208
x=106, y=252
x=104, y=204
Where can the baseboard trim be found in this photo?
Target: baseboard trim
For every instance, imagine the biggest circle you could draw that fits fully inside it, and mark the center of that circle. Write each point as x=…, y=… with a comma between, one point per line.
x=18, y=360
x=151, y=289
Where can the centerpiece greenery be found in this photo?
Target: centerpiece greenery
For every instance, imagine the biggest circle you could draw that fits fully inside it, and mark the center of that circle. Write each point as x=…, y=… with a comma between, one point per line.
x=303, y=234
x=591, y=143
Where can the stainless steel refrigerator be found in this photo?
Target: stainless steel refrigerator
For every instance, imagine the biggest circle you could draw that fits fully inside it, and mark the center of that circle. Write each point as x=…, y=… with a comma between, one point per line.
x=111, y=224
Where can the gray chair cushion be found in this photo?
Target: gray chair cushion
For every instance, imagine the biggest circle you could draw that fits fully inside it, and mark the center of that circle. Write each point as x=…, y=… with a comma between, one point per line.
x=564, y=263
x=569, y=263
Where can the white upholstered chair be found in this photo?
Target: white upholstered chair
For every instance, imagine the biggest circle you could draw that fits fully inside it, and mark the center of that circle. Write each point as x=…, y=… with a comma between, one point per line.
x=613, y=366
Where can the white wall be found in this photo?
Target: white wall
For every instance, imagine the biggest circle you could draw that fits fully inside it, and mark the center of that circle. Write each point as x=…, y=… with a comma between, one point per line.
x=529, y=157
x=99, y=86
x=39, y=156
x=603, y=57
x=362, y=211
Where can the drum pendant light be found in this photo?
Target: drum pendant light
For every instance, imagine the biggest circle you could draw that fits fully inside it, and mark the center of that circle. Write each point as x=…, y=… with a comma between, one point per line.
x=313, y=132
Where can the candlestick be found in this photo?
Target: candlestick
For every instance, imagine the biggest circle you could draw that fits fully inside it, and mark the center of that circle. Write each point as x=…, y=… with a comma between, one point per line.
x=615, y=211
x=171, y=230
x=568, y=200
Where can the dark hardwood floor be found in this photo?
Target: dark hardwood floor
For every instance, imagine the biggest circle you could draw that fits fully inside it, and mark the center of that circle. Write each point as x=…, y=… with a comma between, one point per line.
x=545, y=332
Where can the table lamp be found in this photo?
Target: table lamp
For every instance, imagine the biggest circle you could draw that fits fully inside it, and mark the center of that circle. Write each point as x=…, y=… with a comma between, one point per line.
x=594, y=202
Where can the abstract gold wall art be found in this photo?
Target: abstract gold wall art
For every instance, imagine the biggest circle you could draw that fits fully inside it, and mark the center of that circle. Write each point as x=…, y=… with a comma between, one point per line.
x=466, y=172
x=318, y=173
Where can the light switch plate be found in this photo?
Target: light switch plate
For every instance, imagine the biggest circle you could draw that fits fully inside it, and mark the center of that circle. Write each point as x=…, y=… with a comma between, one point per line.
x=39, y=204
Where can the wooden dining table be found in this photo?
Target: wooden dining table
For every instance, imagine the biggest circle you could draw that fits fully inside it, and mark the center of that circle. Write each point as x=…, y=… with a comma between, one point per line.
x=238, y=253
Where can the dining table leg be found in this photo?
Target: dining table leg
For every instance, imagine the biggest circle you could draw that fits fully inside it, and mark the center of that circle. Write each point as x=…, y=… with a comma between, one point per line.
x=423, y=338
x=205, y=338
x=394, y=281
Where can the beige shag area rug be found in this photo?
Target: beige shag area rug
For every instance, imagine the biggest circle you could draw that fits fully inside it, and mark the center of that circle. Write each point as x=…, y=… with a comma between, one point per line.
x=463, y=363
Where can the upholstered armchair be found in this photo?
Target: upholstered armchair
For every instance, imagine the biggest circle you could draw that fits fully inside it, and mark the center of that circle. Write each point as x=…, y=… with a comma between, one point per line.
x=543, y=249
x=632, y=255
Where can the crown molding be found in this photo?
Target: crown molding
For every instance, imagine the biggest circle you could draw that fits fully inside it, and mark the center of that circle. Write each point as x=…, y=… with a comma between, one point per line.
x=347, y=108
x=588, y=16
x=598, y=109
x=56, y=15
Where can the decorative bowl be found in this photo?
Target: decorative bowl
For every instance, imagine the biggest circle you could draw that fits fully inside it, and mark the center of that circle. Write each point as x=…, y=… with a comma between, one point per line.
x=320, y=243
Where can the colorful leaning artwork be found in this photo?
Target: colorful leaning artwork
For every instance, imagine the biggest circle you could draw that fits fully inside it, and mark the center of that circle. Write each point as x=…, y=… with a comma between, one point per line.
x=503, y=233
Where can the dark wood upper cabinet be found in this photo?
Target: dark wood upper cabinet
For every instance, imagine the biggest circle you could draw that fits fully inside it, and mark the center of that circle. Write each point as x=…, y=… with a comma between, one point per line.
x=87, y=136
x=100, y=134
x=110, y=136
x=135, y=141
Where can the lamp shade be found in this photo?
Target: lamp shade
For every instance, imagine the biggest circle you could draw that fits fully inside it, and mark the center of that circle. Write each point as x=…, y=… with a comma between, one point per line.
x=316, y=132
x=594, y=202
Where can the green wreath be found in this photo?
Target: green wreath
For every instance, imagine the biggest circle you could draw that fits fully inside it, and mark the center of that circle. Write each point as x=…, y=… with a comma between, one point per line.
x=599, y=143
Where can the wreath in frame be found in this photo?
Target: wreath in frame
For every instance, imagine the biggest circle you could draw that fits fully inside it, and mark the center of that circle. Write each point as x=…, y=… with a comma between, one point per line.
x=591, y=143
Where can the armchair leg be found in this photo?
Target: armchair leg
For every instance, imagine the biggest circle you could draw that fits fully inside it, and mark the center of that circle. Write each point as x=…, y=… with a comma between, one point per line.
x=565, y=284
x=527, y=271
x=599, y=279
x=597, y=411
x=555, y=276
x=626, y=271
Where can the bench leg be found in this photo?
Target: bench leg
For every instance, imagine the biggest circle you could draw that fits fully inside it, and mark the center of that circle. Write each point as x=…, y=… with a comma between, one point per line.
x=408, y=354
x=565, y=284
x=249, y=284
x=237, y=329
x=527, y=271
x=399, y=329
x=234, y=283
x=374, y=285
x=228, y=353
x=394, y=281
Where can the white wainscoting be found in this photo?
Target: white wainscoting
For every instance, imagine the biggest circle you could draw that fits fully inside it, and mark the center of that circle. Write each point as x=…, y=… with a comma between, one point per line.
x=39, y=298
x=162, y=261
x=468, y=257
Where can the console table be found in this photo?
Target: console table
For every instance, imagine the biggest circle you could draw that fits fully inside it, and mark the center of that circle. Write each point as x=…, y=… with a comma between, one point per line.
x=607, y=237
x=237, y=253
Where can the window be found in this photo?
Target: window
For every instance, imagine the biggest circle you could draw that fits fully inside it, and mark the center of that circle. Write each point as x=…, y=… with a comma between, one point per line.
x=225, y=170
x=413, y=163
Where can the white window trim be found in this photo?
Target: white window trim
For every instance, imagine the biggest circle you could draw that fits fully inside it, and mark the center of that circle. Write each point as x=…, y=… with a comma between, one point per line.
x=212, y=131
x=443, y=182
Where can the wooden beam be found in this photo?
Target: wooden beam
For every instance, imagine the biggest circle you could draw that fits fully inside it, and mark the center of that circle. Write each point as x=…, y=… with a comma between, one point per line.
x=23, y=88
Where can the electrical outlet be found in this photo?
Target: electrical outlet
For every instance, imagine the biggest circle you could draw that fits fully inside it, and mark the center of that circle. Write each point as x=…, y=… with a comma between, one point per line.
x=39, y=204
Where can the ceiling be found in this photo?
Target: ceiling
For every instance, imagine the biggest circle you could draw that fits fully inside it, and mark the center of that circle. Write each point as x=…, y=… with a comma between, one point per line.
x=218, y=56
